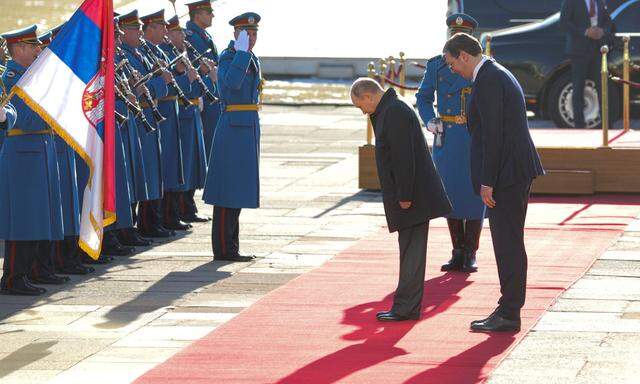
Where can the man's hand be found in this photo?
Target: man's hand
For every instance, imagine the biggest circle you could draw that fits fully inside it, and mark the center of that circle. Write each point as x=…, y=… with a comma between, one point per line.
x=140, y=90
x=180, y=67
x=166, y=76
x=192, y=74
x=242, y=42
x=405, y=204
x=213, y=74
x=487, y=196
x=3, y=115
x=595, y=33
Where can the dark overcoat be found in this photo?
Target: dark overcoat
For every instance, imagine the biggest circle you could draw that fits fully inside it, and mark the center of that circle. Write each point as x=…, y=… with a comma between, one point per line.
x=405, y=167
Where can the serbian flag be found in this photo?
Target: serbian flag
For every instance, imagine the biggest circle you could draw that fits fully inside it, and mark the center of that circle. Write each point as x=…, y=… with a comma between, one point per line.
x=71, y=87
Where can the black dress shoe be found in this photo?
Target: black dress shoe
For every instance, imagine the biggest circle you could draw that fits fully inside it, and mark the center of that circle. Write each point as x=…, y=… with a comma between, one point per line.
x=391, y=316
x=22, y=287
x=178, y=226
x=77, y=269
x=158, y=233
x=50, y=279
x=132, y=239
x=456, y=261
x=495, y=323
x=103, y=259
x=241, y=258
x=195, y=218
x=118, y=250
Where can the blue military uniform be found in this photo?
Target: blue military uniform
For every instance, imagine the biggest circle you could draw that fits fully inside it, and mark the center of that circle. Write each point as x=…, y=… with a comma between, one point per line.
x=63, y=253
x=192, y=140
x=233, y=179
x=170, y=140
x=452, y=158
x=149, y=215
x=202, y=41
x=30, y=205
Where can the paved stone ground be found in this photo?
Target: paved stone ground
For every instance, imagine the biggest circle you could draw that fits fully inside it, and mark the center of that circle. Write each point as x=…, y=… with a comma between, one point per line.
x=138, y=311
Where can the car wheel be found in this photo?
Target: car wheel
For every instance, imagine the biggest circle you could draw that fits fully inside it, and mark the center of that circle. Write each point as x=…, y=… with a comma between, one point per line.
x=561, y=109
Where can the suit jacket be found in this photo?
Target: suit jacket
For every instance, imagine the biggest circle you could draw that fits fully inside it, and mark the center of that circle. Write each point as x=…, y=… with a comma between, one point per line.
x=405, y=168
x=502, y=151
x=574, y=19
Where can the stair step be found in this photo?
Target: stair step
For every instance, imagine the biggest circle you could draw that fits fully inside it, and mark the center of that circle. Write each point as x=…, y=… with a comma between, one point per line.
x=565, y=181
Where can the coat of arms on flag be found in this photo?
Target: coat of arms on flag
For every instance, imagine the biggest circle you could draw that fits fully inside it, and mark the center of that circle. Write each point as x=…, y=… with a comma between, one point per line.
x=71, y=87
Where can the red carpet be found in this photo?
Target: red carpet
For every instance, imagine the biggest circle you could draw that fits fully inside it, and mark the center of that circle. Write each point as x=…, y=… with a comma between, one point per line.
x=321, y=327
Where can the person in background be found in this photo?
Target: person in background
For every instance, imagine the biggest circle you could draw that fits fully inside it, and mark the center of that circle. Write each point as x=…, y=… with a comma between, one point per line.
x=451, y=149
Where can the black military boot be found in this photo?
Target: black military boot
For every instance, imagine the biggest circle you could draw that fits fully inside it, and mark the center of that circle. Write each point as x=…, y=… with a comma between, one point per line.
x=472, y=231
x=456, y=230
x=112, y=247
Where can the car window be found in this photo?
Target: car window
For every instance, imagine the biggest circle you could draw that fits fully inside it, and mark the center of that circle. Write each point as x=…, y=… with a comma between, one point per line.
x=528, y=9
x=628, y=20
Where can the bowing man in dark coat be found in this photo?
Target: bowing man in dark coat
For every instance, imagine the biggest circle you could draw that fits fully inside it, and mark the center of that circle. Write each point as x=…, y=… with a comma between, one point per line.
x=412, y=192
x=504, y=162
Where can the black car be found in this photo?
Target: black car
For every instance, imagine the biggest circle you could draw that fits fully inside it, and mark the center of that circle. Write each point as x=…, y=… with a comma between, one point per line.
x=534, y=53
x=499, y=14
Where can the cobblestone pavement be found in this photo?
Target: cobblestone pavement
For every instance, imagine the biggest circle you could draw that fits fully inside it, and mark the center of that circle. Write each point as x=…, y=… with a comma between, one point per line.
x=136, y=312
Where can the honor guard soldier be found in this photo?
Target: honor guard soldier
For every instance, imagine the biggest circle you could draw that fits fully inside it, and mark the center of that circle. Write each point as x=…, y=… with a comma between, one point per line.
x=200, y=18
x=65, y=253
x=233, y=180
x=155, y=31
x=192, y=138
x=30, y=205
x=149, y=217
x=451, y=149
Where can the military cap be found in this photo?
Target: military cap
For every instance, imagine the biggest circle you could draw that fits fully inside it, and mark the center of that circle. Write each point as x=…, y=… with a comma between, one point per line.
x=173, y=24
x=55, y=31
x=248, y=20
x=27, y=35
x=199, y=4
x=154, y=18
x=130, y=19
x=45, y=39
x=462, y=22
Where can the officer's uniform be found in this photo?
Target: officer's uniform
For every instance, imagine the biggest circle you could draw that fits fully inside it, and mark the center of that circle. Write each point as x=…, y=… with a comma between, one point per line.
x=201, y=41
x=233, y=178
x=149, y=214
x=30, y=205
x=135, y=173
x=452, y=158
x=192, y=140
x=170, y=140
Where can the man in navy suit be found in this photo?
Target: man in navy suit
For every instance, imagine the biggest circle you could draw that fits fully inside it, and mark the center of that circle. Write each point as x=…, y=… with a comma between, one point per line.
x=587, y=23
x=504, y=162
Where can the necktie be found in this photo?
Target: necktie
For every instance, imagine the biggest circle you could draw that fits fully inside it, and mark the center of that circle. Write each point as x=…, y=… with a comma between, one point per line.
x=592, y=8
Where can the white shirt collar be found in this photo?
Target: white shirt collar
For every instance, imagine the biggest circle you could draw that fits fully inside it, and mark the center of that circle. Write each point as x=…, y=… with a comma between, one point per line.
x=477, y=69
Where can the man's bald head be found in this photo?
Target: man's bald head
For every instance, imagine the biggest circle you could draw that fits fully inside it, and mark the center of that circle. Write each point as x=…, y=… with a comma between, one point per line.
x=366, y=94
x=365, y=85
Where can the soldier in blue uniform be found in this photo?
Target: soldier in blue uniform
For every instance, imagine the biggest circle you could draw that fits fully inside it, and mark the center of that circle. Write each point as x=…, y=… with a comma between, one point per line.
x=135, y=172
x=233, y=180
x=64, y=253
x=201, y=18
x=30, y=205
x=149, y=217
x=155, y=30
x=192, y=138
x=451, y=150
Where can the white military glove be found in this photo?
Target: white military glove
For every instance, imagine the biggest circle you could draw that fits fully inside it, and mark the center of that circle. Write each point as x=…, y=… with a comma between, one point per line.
x=242, y=42
x=3, y=115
